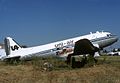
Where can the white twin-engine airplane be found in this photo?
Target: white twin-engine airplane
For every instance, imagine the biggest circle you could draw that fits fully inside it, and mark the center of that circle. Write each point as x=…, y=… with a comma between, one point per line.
x=87, y=44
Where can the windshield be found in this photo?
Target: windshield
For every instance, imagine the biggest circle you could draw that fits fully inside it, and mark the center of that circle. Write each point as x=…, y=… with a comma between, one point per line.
x=110, y=35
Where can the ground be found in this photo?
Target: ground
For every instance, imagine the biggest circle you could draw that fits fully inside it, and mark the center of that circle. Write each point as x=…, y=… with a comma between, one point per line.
x=107, y=70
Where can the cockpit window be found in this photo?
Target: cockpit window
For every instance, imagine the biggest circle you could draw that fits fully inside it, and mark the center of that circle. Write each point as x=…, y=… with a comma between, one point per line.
x=109, y=35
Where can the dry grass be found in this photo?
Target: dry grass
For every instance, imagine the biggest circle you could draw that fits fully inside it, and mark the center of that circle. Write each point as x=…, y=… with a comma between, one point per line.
x=31, y=72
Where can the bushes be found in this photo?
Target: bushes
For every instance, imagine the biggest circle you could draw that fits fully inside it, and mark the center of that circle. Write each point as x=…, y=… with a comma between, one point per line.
x=81, y=61
x=48, y=63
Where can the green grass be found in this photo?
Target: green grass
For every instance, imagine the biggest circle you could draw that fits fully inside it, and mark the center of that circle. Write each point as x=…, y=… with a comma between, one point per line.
x=107, y=70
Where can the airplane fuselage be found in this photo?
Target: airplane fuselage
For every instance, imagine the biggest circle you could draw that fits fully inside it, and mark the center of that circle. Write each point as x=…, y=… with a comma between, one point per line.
x=63, y=48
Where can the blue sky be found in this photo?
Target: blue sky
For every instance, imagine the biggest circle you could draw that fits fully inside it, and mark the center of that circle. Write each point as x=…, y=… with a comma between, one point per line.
x=35, y=22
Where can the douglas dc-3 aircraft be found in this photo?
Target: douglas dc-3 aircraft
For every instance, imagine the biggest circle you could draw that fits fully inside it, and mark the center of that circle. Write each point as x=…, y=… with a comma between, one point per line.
x=87, y=44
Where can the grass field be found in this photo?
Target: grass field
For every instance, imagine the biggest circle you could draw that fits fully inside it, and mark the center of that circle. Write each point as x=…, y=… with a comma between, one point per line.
x=107, y=70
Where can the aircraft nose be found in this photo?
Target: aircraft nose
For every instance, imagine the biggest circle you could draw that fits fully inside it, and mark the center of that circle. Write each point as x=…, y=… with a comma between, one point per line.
x=109, y=41
x=116, y=39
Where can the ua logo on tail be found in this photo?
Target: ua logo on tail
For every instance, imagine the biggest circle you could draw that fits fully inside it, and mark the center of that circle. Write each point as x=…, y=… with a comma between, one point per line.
x=11, y=45
x=15, y=47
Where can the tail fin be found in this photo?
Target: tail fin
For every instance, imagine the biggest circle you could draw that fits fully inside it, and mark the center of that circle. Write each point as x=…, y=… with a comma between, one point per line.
x=11, y=45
